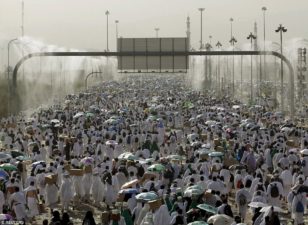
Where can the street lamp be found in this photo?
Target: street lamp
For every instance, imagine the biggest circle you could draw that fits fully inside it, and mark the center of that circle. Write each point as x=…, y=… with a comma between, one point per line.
x=231, y=23
x=201, y=41
x=264, y=61
x=156, y=30
x=218, y=45
x=251, y=37
x=233, y=41
x=107, y=14
x=8, y=73
x=281, y=29
x=116, y=22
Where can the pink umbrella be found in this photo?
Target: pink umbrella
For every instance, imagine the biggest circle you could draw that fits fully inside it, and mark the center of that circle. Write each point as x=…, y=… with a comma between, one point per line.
x=5, y=217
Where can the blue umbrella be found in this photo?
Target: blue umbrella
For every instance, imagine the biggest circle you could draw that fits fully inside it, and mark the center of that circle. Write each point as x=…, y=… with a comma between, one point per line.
x=129, y=191
x=4, y=174
x=37, y=163
x=147, y=196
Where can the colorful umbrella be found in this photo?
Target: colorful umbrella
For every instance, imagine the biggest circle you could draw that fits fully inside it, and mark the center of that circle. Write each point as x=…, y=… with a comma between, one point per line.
x=8, y=167
x=147, y=196
x=4, y=174
x=208, y=208
x=156, y=168
x=129, y=191
x=87, y=161
x=5, y=217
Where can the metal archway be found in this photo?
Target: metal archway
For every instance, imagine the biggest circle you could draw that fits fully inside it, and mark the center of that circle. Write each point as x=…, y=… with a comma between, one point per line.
x=87, y=77
x=184, y=53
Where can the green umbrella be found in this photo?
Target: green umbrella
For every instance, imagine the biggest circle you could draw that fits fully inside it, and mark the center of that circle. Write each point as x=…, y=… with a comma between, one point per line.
x=22, y=158
x=156, y=168
x=216, y=154
x=147, y=196
x=208, y=208
x=176, y=157
x=16, y=153
x=8, y=167
x=127, y=156
x=89, y=114
x=194, y=190
x=198, y=223
x=152, y=118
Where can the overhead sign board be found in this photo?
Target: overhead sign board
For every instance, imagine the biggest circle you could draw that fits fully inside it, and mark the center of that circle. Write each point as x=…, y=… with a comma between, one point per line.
x=161, y=63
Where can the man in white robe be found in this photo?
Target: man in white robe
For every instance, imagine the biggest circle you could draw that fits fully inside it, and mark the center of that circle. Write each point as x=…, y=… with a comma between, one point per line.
x=51, y=196
x=242, y=198
x=18, y=203
x=286, y=177
x=32, y=200
x=298, y=207
x=97, y=189
x=66, y=192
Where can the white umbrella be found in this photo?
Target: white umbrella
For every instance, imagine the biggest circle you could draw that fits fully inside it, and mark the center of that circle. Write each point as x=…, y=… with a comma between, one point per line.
x=304, y=151
x=55, y=121
x=220, y=219
x=269, y=208
x=257, y=204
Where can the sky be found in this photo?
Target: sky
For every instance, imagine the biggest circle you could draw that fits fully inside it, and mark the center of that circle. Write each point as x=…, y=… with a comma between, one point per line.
x=81, y=24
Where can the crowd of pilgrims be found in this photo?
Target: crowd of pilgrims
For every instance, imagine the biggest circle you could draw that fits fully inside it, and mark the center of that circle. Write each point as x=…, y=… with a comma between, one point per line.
x=155, y=136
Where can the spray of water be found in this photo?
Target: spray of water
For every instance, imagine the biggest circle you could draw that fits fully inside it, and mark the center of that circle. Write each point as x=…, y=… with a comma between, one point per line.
x=48, y=79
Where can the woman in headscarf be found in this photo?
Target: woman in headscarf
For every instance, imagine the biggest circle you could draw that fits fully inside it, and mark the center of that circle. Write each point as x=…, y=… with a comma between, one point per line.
x=88, y=219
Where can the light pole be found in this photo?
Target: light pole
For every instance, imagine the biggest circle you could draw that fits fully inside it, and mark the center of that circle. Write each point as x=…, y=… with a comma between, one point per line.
x=281, y=29
x=8, y=74
x=107, y=14
x=156, y=30
x=264, y=60
x=117, y=34
x=201, y=41
x=233, y=41
x=251, y=37
x=231, y=23
x=218, y=45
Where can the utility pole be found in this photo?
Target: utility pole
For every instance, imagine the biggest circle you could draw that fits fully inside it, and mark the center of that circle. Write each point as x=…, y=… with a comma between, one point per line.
x=201, y=40
x=281, y=30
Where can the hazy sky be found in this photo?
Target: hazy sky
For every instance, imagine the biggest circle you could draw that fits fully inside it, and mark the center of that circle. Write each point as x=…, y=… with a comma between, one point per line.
x=81, y=24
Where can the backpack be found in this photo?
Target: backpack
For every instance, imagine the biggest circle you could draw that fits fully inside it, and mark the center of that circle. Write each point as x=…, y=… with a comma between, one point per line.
x=299, y=207
x=242, y=199
x=228, y=211
x=274, y=191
